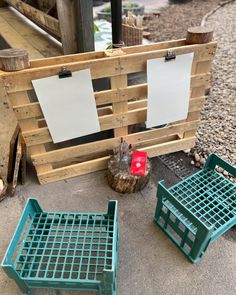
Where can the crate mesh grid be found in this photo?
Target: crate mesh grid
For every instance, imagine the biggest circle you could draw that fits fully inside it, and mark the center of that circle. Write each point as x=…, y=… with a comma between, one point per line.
x=199, y=209
x=182, y=232
x=209, y=196
x=66, y=246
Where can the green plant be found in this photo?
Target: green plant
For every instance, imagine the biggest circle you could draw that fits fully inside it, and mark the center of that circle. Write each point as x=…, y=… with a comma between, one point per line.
x=130, y=5
x=95, y=28
x=107, y=9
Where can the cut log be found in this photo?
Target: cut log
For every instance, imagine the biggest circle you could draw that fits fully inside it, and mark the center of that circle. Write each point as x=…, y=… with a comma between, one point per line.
x=199, y=35
x=124, y=182
x=14, y=60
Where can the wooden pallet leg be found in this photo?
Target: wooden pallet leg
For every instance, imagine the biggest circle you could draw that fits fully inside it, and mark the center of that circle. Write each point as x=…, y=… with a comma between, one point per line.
x=198, y=35
x=120, y=107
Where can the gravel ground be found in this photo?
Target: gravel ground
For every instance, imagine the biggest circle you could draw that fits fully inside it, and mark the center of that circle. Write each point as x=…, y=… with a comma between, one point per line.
x=217, y=132
x=174, y=20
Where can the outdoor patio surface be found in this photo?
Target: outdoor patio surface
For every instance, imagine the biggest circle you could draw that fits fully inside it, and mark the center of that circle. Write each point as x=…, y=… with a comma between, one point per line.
x=149, y=263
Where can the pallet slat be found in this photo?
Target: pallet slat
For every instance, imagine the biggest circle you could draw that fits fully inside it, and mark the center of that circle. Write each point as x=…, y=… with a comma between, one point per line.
x=108, y=144
x=119, y=108
x=101, y=163
x=21, y=81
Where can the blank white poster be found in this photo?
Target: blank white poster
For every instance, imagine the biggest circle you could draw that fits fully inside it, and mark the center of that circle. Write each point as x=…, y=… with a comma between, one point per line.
x=168, y=89
x=68, y=105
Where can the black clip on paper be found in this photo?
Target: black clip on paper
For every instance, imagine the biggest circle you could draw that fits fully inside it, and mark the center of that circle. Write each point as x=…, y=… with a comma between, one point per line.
x=64, y=73
x=170, y=55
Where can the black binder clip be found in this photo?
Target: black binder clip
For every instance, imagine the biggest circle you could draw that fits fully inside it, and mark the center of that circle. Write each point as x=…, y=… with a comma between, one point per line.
x=64, y=73
x=170, y=55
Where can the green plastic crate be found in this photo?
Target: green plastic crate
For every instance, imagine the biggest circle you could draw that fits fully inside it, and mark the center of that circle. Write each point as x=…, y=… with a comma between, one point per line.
x=199, y=209
x=64, y=250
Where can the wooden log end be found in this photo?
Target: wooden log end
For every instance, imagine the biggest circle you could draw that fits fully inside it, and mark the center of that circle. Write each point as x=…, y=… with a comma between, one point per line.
x=14, y=59
x=123, y=182
x=199, y=35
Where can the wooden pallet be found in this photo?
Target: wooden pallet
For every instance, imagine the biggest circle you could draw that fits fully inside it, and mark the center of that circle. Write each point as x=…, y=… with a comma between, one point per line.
x=118, y=108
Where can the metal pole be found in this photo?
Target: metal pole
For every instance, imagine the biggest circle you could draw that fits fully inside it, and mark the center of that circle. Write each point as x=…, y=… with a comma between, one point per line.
x=116, y=18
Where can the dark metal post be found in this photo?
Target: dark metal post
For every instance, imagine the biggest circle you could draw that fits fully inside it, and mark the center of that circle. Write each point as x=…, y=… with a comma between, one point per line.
x=116, y=17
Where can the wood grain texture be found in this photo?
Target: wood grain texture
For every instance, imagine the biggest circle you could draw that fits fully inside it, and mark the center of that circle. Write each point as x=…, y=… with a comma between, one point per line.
x=37, y=16
x=67, y=23
x=8, y=133
x=120, y=106
x=117, y=107
x=14, y=59
x=199, y=35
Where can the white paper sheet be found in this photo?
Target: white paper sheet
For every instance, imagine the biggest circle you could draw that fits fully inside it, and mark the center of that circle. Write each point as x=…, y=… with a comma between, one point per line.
x=68, y=105
x=168, y=89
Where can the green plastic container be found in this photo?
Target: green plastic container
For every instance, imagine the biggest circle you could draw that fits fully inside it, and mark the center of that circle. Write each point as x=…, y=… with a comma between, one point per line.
x=199, y=209
x=64, y=250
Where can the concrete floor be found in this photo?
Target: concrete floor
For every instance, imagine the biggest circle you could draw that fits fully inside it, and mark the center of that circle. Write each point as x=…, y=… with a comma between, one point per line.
x=149, y=263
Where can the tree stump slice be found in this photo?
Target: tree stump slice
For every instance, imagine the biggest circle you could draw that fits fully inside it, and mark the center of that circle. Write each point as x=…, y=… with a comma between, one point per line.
x=123, y=182
x=199, y=35
x=14, y=60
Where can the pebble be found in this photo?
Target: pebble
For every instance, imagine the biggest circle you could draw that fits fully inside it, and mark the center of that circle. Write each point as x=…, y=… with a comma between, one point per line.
x=226, y=173
x=203, y=161
x=197, y=157
x=187, y=151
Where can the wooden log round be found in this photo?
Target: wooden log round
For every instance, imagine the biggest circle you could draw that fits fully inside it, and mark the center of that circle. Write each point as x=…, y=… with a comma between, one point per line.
x=199, y=35
x=124, y=182
x=14, y=60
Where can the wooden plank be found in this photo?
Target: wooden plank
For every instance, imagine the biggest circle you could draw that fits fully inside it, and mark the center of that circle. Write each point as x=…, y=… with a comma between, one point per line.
x=120, y=106
x=23, y=161
x=16, y=166
x=73, y=170
x=114, y=66
x=100, y=54
x=200, y=67
x=36, y=63
x=8, y=133
x=36, y=39
x=29, y=124
x=42, y=135
x=129, y=107
x=21, y=81
x=195, y=104
x=37, y=16
x=59, y=155
x=67, y=23
x=15, y=40
x=101, y=163
x=137, y=62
